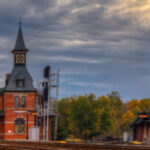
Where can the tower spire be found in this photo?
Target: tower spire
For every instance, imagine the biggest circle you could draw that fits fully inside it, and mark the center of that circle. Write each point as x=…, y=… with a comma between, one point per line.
x=20, y=45
x=20, y=23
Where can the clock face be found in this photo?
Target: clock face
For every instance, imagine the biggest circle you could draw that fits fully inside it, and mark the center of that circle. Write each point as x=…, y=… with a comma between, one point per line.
x=20, y=58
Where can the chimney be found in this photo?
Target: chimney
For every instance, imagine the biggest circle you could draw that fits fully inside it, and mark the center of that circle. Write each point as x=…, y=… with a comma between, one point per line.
x=6, y=80
x=7, y=76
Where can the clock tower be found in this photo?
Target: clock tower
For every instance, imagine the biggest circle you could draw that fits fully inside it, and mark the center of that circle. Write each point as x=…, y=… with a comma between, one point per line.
x=19, y=80
x=19, y=95
x=20, y=50
x=19, y=99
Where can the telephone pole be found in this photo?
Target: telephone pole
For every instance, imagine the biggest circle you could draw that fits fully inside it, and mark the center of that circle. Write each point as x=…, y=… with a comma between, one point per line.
x=51, y=81
x=56, y=117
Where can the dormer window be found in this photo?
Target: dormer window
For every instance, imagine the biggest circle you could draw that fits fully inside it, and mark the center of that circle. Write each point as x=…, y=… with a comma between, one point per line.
x=20, y=83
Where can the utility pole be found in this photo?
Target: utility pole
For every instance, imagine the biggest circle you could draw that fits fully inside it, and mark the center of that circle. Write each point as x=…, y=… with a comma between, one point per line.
x=56, y=117
x=48, y=102
x=46, y=92
x=50, y=81
x=37, y=105
x=44, y=121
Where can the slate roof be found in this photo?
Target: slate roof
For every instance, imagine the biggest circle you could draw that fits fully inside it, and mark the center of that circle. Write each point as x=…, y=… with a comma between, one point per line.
x=20, y=44
x=20, y=72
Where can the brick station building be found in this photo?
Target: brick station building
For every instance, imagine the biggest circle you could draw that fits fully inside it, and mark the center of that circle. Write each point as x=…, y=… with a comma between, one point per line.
x=18, y=97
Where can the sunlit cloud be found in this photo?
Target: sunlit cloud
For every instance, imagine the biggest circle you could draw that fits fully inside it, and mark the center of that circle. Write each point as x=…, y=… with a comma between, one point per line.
x=86, y=9
x=138, y=10
x=105, y=42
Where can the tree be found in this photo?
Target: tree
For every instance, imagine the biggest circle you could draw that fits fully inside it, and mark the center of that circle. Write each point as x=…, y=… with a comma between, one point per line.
x=144, y=104
x=86, y=116
x=133, y=106
x=126, y=119
x=107, y=123
x=83, y=116
x=103, y=102
x=116, y=103
x=63, y=119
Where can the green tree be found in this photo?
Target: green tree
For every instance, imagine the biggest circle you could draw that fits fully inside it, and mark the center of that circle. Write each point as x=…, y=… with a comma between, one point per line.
x=86, y=116
x=83, y=116
x=107, y=122
x=116, y=103
x=103, y=102
x=63, y=119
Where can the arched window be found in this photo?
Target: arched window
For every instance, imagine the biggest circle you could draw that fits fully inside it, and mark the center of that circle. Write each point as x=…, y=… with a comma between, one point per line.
x=19, y=125
x=23, y=102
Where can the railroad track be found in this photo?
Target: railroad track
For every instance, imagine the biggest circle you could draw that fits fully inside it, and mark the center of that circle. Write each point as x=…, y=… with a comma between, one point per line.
x=20, y=145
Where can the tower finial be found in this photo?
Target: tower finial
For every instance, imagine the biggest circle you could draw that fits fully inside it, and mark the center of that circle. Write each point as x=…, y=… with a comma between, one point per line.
x=20, y=22
x=20, y=45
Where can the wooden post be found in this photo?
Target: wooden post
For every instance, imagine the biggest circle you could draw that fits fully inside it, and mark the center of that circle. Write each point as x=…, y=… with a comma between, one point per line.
x=145, y=137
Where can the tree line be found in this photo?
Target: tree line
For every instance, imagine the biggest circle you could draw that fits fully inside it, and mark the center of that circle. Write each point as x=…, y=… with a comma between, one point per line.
x=90, y=116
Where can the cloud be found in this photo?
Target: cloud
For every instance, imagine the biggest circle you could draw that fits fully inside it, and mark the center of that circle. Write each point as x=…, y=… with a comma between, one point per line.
x=69, y=59
x=86, y=9
x=101, y=45
x=95, y=85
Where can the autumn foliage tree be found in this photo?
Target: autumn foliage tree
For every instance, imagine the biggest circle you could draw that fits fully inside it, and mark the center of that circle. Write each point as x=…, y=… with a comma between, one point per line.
x=88, y=115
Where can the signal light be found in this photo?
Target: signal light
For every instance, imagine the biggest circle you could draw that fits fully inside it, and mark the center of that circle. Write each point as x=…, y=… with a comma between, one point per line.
x=45, y=91
x=46, y=72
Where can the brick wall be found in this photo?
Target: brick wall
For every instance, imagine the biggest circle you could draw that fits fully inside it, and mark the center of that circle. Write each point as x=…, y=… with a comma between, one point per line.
x=12, y=113
x=1, y=102
x=1, y=117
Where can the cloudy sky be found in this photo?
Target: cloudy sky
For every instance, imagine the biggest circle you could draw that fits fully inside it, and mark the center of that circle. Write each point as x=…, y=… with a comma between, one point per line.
x=98, y=45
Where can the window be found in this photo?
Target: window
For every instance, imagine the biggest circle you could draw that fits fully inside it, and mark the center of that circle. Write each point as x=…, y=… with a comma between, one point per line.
x=23, y=102
x=16, y=101
x=20, y=83
x=19, y=125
